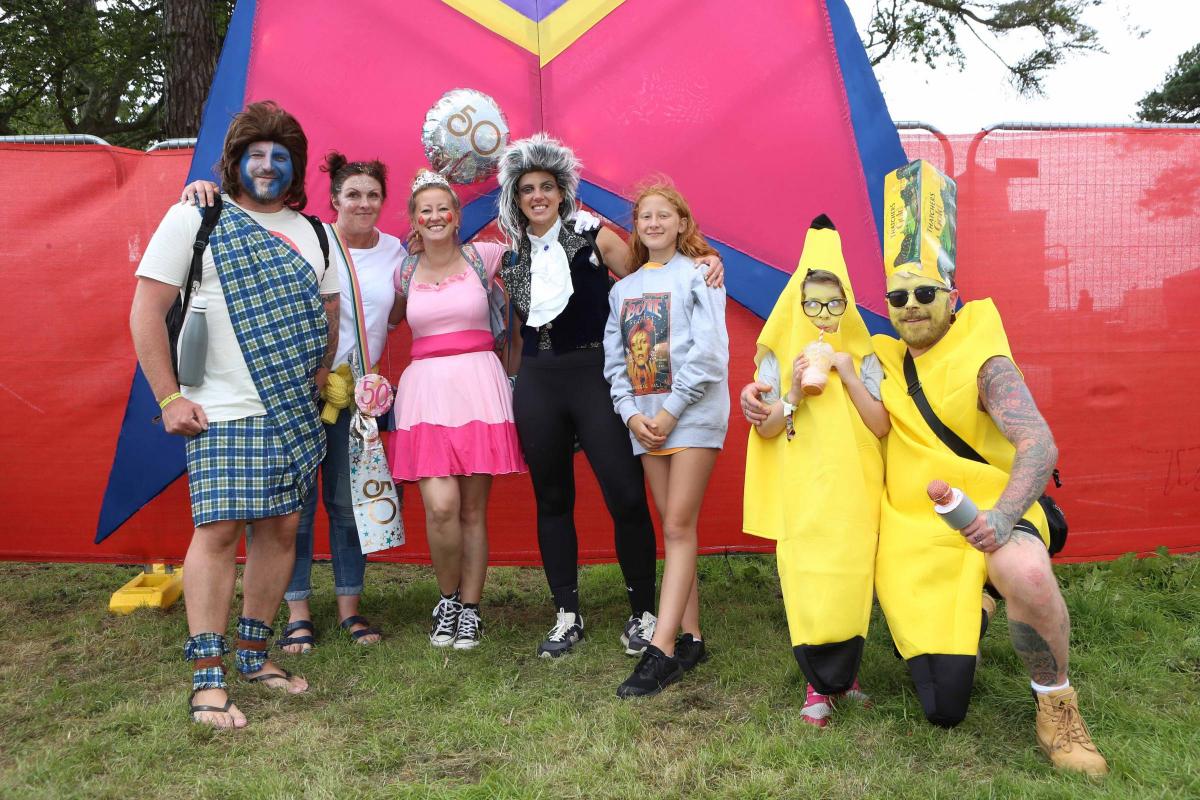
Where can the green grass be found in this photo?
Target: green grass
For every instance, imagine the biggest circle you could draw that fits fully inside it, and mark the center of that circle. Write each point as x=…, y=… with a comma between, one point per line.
x=93, y=705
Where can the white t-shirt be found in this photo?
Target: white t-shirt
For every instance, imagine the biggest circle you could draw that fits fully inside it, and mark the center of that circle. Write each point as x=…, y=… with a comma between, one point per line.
x=228, y=391
x=375, y=267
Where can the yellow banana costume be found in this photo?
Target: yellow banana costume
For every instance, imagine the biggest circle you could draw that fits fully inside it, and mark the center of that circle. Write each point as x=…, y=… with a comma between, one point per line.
x=818, y=494
x=928, y=578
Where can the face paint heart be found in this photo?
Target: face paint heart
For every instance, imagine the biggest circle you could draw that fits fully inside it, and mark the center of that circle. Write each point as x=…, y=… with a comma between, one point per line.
x=448, y=216
x=421, y=219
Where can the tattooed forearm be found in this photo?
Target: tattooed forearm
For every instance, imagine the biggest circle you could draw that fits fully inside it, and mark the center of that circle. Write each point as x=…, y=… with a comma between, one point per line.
x=332, y=303
x=1035, y=651
x=1007, y=400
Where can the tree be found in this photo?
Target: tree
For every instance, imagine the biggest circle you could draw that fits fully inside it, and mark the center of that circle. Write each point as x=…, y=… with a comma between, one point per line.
x=1178, y=98
x=98, y=66
x=929, y=31
x=194, y=30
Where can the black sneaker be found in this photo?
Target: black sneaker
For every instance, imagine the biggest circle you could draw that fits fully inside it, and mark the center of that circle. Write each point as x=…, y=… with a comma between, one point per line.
x=445, y=622
x=470, y=630
x=638, y=633
x=690, y=651
x=567, y=630
x=655, y=672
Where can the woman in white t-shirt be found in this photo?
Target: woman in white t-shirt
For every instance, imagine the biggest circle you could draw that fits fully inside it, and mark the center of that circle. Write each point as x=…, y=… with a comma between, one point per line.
x=357, y=191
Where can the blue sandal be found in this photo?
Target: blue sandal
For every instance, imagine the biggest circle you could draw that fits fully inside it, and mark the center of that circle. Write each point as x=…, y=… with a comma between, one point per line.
x=357, y=635
x=306, y=639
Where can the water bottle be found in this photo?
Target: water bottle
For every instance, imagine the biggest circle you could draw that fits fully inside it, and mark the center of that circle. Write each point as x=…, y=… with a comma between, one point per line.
x=193, y=344
x=952, y=505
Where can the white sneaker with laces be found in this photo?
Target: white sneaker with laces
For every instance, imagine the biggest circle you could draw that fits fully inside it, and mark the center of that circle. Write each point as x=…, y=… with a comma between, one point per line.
x=638, y=633
x=567, y=630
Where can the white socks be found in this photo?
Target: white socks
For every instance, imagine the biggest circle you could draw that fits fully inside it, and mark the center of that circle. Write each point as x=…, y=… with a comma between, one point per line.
x=1037, y=687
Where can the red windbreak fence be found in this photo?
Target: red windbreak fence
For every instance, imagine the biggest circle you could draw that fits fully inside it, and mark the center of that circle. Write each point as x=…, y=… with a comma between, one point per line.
x=1087, y=239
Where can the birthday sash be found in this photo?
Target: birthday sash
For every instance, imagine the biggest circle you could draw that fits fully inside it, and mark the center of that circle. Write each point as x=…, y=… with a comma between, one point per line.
x=372, y=492
x=275, y=307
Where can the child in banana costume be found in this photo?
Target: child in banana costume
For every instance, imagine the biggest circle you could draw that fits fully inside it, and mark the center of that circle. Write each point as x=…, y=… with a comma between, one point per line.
x=814, y=470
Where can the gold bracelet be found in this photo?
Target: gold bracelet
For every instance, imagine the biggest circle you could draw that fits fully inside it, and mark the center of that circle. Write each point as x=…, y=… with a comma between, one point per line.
x=166, y=401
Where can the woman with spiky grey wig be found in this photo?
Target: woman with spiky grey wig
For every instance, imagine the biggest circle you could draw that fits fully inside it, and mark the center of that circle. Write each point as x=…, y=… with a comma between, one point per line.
x=557, y=277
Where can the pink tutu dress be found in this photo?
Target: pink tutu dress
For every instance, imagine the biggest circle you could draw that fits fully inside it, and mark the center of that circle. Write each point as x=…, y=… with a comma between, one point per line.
x=454, y=403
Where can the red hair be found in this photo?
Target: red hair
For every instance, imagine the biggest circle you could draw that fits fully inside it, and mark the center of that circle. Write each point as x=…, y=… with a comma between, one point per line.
x=691, y=242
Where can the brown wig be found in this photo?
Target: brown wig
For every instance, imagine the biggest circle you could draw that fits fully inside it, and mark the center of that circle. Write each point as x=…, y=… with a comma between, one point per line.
x=340, y=168
x=691, y=242
x=414, y=244
x=264, y=121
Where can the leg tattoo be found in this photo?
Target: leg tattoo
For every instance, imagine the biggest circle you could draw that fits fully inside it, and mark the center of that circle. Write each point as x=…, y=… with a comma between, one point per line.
x=1035, y=652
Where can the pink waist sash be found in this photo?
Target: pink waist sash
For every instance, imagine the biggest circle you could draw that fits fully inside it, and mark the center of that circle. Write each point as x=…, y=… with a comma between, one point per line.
x=452, y=344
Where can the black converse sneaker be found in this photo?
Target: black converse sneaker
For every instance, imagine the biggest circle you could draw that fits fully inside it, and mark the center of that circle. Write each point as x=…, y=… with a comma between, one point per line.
x=445, y=621
x=567, y=630
x=655, y=672
x=690, y=651
x=638, y=633
x=470, y=629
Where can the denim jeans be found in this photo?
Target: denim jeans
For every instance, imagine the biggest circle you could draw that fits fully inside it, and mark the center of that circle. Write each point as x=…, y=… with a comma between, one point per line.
x=349, y=563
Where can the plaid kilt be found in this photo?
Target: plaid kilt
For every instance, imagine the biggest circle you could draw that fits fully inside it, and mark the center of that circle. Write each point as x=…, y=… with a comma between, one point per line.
x=240, y=470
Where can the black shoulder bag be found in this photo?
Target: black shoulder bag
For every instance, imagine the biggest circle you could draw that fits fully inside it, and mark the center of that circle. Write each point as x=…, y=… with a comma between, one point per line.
x=178, y=309
x=1055, y=519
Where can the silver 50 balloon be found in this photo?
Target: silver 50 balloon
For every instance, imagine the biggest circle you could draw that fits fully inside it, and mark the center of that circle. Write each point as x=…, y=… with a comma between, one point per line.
x=464, y=134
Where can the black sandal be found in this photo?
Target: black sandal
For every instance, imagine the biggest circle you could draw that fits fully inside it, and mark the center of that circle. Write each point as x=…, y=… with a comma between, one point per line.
x=268, y=676
x=194, y=709
x=307, y=639
x=357, y=635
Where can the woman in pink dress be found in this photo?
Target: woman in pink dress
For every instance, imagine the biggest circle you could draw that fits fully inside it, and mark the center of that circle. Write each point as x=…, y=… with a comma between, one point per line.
x=454, y=417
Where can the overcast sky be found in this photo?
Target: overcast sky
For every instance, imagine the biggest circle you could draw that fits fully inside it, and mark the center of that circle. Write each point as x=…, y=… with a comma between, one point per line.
x=1098, y=87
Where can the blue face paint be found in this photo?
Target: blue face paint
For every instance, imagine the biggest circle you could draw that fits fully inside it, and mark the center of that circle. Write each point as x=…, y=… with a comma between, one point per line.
x=266, y=171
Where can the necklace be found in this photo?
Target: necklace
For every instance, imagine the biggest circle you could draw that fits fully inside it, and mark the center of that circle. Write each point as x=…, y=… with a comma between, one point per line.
x=443, y=271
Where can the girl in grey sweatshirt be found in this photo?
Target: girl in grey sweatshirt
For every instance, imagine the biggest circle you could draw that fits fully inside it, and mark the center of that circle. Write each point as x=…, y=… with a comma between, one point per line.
x=666, y=357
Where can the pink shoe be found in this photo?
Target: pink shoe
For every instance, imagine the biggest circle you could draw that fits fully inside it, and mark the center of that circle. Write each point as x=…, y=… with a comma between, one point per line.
x=817, y=708
x=854, y=693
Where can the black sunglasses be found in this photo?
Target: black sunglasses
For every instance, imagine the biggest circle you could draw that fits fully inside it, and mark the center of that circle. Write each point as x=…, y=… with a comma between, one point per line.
x=898, y=298
x=812, y=308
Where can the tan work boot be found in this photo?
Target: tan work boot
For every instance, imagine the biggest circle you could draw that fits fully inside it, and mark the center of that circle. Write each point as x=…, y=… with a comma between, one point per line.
x=1063, y=735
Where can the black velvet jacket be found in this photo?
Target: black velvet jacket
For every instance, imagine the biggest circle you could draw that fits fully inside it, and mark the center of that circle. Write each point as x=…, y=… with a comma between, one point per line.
x=581, y=323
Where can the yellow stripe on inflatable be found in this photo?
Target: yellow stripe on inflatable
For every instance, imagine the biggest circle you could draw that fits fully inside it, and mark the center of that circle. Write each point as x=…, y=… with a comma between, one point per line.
x=546, y=40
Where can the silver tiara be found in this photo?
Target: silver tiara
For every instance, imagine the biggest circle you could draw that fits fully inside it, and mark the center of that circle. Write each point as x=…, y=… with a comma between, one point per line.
x=425, y=179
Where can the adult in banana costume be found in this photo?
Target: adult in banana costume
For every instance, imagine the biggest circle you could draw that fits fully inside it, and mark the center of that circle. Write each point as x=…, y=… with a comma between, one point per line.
x=929, y=577
x=817, y=489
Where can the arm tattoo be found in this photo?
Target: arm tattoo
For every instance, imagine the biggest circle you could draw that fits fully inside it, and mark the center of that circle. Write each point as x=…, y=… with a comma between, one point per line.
x=1034, y=650
x=332, y=303
x=1007, y=400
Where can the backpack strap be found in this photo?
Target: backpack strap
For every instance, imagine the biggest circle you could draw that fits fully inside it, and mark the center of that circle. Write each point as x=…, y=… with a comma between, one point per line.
x=322, y=237
x=208, y=220
x=407, y=267
x=476, y=261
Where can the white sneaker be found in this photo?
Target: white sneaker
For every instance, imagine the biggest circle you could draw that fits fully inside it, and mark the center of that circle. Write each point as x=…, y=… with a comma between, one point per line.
x=638, y=633
x=567, y=630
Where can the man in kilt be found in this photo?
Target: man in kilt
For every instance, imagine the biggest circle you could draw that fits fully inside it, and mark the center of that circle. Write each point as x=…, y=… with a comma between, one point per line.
x=254, y=438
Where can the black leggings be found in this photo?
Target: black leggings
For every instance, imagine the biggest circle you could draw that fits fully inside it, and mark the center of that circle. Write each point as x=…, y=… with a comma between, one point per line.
x=558, y=398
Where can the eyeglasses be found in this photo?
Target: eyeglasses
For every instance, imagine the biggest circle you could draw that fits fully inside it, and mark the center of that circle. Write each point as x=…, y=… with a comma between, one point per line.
x=812, y=308
x=898, y=298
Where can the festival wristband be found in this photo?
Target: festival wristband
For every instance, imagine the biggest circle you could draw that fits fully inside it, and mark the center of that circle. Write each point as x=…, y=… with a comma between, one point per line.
x=166, y=401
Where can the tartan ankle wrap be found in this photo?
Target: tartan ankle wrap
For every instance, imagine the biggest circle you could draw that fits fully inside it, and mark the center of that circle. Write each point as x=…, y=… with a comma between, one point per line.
x=206, y=652
x=252, y=644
